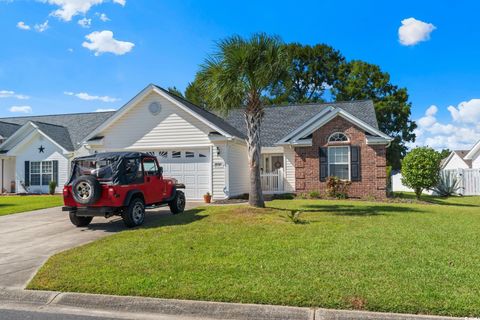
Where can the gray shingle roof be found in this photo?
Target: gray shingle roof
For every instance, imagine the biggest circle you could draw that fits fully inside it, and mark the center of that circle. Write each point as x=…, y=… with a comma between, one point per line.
x=68, y=130
x=7, y=129
x=279, y=121
x=211, y=117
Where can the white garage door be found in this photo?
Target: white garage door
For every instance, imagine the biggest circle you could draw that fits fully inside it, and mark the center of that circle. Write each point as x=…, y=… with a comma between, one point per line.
x=190, y=167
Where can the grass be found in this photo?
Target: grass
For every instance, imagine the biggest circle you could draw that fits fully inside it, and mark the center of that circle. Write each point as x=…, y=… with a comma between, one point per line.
x=16, y=204
x=398, y=257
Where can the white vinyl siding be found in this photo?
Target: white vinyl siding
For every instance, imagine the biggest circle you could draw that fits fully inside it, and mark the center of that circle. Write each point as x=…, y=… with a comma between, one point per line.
x=238, y=177
x=455, y=163
x=476, y=162
x=289, y=181
x=28, y=151
x=219, y=172
x=139, y=129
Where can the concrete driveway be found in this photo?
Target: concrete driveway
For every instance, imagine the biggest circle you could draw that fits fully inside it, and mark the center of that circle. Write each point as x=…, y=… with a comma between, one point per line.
x=28, y=239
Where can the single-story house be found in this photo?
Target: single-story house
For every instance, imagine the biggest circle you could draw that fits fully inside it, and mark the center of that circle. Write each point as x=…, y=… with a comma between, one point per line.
x=463, y=159
x=301, y=145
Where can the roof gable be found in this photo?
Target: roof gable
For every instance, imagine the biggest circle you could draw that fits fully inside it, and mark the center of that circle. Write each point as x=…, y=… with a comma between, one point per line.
x=473, y=153
x=74, y=127
x=208, y=118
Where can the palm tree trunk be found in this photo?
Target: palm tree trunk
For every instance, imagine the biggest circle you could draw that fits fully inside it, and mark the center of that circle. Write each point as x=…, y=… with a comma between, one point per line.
x=253, y=118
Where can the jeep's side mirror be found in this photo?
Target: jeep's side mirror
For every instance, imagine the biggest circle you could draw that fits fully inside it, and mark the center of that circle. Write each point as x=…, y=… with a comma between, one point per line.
x=160, y=171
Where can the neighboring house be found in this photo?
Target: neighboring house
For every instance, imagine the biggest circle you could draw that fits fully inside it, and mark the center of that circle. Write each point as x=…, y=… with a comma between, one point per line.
x=301, y=145
x=463, y=159
x=456, y=160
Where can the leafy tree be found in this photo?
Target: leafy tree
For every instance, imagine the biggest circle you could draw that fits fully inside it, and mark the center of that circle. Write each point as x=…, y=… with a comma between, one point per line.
x=421, y=169
x=238, y=75
x=358, y=80
x=175, y=91
x=194, y=93
x=312, y=70
x=445, y=153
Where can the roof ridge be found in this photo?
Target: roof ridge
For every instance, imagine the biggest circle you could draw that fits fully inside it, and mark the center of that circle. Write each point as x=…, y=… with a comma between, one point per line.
x=55, y=115
x=314, y=103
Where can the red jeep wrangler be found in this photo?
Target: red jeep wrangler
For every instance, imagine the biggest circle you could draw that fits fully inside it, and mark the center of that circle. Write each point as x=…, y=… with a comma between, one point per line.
x=119, y=183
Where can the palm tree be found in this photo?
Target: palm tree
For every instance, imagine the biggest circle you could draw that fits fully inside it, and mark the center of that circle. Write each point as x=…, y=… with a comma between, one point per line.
x=237, y=75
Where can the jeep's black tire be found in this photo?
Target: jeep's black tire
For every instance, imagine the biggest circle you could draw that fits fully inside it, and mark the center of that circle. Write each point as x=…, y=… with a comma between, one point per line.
x=134, y=215
x=177, y=205
x=80, y=221
x=86, y=190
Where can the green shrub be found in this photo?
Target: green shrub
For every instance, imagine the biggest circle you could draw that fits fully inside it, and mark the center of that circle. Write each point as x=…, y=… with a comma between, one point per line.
x=51, y=187
x=420, y=169
x=337, y=188
x=314, y=195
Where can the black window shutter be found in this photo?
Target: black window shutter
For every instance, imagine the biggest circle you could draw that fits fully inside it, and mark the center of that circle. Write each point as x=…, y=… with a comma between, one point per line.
x=27, y=173
x=323, y=156
x=55, y=171
x=355, y=163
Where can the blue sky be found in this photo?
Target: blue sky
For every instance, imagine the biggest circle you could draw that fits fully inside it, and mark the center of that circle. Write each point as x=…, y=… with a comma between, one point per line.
x=59, y=70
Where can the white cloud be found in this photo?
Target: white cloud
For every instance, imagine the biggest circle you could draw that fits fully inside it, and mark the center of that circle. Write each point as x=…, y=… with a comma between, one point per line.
x=105, y=110
x=103, y=41
x=23, y=26
x=41, y=27
x=103, y=17
x=413, y=31
x=21, y=109
x=12, y=94
x=88, y=97
x=462, y=131
x=85, y=23
x=70, y=50
x=466, y=112
x=71, y=8
x=429, y=118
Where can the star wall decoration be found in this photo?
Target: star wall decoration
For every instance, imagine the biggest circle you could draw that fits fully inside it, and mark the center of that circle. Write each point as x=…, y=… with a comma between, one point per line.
x=41, y=149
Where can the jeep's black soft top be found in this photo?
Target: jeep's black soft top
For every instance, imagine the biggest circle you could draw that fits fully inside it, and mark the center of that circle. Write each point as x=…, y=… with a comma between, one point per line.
x=114, y=162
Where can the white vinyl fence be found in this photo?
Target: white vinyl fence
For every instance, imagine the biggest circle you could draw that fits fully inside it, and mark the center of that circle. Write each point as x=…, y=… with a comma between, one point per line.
x=469, y=182
x=272, y=182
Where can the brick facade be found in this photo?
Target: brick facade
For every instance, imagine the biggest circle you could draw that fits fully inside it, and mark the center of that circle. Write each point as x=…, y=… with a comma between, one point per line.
x=373, y=173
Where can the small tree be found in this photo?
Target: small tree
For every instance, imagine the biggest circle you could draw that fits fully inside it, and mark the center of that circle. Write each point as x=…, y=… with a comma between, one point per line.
x=421, y=169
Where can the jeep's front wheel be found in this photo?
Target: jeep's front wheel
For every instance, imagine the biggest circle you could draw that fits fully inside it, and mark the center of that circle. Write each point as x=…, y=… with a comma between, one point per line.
x=134, y=215
x=177, y=205
x=80, y=221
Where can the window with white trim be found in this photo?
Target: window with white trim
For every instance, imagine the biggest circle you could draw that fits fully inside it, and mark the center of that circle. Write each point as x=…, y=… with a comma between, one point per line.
x=41, y=173
x=163, y=154
x=339, y=162
x=338, y=137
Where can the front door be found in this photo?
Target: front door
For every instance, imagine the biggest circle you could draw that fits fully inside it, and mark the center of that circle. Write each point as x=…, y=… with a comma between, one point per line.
x=153, y=189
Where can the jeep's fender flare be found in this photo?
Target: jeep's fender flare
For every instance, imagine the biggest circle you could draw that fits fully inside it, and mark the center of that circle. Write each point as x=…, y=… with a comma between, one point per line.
x=131, y=194
x=172, y=196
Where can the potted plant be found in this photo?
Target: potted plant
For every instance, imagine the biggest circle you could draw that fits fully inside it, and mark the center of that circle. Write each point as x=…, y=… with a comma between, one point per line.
x=207, y=197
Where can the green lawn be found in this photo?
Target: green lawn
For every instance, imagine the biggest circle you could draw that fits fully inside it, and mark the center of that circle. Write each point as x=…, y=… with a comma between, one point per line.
x=415, y=258
x=16, y=204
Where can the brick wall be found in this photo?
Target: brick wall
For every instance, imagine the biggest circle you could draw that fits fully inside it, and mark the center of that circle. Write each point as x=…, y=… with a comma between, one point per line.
x=372, y=162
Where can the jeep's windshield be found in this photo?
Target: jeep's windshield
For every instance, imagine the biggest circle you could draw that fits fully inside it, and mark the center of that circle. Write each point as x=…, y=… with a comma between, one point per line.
x=101, y=169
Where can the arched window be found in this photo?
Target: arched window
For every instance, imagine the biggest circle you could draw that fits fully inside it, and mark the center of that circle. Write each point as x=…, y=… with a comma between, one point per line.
x=338, y=137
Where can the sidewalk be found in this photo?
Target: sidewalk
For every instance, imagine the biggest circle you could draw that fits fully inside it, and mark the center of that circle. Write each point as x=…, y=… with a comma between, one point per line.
x=188, y=309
